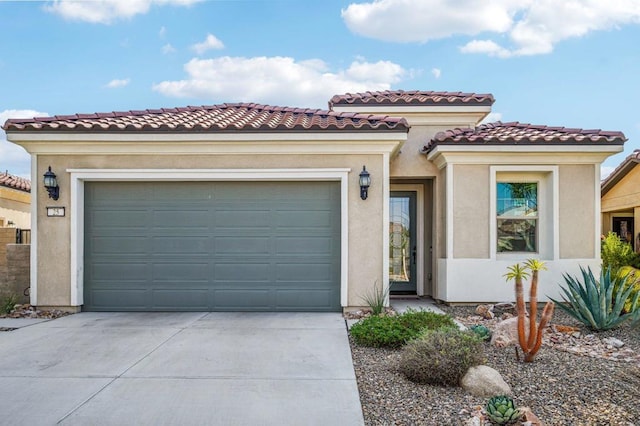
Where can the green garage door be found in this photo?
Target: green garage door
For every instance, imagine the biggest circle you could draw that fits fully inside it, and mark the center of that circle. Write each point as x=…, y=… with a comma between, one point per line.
x=212, y=246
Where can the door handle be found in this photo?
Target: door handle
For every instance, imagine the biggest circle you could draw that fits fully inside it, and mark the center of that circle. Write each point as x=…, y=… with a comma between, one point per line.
x=414, y=254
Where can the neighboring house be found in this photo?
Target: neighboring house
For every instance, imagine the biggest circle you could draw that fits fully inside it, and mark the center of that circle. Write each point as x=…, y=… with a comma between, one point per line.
x=254, y=207
x=621, y=201
x=15, y=201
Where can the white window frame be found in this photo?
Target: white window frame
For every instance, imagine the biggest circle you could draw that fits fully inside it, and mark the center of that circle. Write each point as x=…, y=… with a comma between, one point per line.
x=535, y=218
x=548, y=245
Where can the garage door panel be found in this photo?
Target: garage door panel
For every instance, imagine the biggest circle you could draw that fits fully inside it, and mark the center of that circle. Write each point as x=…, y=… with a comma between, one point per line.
x=212, y=246
x=118, y=245
x=241, y=245
x=304, y=272
x=122, y=271
x=110, y=218
x=181, y=245
x=180, y=298
x=242, y=299
x=250, y=272
x=180, y=272
x=304, y=245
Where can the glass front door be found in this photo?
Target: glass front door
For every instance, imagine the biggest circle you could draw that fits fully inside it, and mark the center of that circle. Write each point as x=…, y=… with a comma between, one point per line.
x=402, y=243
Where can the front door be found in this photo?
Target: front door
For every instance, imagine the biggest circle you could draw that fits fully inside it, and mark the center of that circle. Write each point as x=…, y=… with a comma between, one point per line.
x=402, y=242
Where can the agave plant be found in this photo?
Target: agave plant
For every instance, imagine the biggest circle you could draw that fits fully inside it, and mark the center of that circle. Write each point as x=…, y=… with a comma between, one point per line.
x=481, y=331
x=502, y=410
x=593, y=303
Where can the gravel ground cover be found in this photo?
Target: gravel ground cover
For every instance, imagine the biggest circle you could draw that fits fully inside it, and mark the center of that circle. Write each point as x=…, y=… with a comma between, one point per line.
x=560, y=387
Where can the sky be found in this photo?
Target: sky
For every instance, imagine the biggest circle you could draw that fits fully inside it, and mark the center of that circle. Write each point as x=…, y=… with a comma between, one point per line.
x=573, y=63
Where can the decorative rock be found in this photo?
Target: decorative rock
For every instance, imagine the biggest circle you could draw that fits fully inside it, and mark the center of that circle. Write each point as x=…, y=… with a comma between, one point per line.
x=506, y=332
x=484, y=381
x=485, y=311
x=612, y=341
x=529, y=418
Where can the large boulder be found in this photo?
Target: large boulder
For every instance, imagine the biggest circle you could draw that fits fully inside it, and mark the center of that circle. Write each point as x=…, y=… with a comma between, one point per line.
x=484, y=381
x=505, y=332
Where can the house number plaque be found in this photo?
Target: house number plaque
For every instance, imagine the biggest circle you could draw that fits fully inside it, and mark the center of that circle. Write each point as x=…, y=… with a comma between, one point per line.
x=55, y=211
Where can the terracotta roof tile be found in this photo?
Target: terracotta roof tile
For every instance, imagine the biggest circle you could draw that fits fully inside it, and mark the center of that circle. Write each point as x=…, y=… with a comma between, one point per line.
x=413, y=97
x=216, y=118
x=620, y=172
x=516, y=133
x=15, y=182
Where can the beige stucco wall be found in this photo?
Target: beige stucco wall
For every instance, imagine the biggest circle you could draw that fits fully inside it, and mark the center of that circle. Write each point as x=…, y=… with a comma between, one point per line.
x=471, y=211
x=624, y=195
x=577, y=211
x=15, y=206
x=365, y=217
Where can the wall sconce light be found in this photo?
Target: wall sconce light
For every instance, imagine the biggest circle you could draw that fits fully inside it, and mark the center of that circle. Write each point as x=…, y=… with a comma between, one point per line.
x=51, y=184
x=365, y=182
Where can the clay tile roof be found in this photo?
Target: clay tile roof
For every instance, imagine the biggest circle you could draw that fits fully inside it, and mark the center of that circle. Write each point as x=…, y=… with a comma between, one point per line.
x=620, y=172
x=235, y=117
x=15, y=182
x=413, y=97
x=516, y=133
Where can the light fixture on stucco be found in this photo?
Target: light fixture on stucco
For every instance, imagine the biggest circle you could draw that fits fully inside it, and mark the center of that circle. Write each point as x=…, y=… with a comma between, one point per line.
x=51, y=184
x=365, y=182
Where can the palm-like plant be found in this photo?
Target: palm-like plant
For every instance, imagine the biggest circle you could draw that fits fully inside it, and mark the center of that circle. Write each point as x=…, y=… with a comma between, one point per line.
x=531, y=342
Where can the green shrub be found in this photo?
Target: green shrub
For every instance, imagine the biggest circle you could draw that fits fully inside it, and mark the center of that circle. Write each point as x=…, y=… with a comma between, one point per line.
x=633, y=280
x=7, y=304
x=441, y=356
x=592, y=301
x=616, y=253
x=395, y=331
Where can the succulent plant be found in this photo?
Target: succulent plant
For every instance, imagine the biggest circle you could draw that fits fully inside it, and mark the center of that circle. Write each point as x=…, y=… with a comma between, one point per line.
x=502, y=410
x=481, y=331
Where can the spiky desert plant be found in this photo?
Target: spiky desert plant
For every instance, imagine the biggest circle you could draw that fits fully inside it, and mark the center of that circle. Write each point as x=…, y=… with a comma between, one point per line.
x=530, y=342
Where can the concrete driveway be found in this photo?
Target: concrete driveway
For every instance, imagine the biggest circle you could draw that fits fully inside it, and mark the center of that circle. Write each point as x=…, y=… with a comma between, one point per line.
x=179, y=368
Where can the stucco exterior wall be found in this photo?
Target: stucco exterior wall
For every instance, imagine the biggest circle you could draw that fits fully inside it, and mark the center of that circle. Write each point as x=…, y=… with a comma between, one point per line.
x=624, y=195
x=577, y=212
x=365, y=217
x=15, y=206
x=471, y=211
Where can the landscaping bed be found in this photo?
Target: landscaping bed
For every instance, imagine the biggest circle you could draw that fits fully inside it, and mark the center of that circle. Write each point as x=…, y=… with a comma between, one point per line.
x=583, y=386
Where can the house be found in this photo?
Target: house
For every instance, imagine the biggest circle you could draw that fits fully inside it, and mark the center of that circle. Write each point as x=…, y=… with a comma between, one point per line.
x=621, y=201
x=254, y=207
x=15, y=201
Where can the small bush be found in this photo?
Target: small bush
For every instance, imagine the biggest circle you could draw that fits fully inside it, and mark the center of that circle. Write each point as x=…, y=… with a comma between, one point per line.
x=441, y=357
x=616, y=253
x=395, y=331
x=633, y=279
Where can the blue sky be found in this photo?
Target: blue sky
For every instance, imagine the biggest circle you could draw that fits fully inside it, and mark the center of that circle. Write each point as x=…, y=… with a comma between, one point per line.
x=573, y=63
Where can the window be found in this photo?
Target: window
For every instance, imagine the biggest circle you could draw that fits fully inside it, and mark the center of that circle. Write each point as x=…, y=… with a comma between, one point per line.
x=517, y=216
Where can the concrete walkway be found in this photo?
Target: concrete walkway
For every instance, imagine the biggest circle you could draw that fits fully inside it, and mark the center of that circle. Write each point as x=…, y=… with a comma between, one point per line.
x=179, y=368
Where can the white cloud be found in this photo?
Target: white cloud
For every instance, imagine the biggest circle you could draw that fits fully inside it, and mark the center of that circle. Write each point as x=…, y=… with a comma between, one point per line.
x=489, y=47
x=14, y=158
x=531, y=27
x=113, y=84
x=163, y=32
x=209, y=43
x=492, y=117
x=168, y=48
x=437, y=72
x=278, y=80
x=107, y=11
